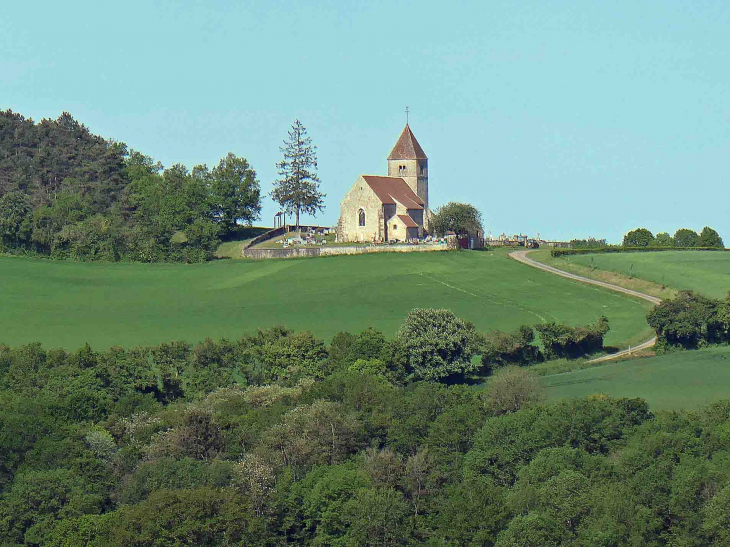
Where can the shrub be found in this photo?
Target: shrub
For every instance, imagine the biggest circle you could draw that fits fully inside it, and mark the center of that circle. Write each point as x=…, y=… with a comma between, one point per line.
x=590, y=243
x=515, y=348
x=572, y=342
x=688, y=321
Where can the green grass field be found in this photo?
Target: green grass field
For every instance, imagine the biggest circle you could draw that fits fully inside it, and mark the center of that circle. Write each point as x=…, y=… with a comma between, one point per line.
x=683, y=380
x=65, y=304
x=702, y=271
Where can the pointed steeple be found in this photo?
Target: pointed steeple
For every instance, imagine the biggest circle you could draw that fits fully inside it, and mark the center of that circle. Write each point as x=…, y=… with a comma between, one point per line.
x=407, y=147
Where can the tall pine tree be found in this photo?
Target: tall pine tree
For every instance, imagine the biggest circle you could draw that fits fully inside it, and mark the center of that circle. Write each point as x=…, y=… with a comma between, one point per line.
x=297, y=189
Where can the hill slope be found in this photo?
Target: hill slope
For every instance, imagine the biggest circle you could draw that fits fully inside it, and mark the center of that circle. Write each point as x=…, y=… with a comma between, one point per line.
x=701, y=271
x=683, y=380
x=65, y=304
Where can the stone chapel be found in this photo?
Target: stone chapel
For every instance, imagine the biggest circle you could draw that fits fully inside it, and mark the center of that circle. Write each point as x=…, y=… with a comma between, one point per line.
x=395, y=207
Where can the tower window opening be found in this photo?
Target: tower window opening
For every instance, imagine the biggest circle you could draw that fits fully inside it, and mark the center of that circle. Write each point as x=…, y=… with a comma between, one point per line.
x=361, y=217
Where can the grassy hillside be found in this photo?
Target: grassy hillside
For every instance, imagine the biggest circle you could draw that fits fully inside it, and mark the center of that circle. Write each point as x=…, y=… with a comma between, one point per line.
x=65, y=304
x=233, y=246
x=702, y=271
x=684, y=380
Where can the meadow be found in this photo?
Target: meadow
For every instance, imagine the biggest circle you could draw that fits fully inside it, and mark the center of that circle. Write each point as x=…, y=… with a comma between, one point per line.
x=682, y=380
x=701, y=271
x=66, y=304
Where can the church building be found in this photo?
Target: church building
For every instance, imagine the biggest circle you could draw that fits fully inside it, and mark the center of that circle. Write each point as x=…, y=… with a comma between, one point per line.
x=394, y=207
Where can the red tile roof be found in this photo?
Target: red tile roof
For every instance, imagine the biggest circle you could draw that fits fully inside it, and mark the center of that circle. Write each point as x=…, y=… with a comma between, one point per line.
x=392, y=189
x=407, y=147
x=408, y=221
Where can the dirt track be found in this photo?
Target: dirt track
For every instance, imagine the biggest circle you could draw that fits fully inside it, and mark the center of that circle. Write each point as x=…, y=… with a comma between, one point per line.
x=521, y=256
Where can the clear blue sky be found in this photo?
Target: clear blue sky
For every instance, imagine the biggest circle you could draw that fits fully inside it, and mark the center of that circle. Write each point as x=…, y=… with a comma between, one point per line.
x=567, y=118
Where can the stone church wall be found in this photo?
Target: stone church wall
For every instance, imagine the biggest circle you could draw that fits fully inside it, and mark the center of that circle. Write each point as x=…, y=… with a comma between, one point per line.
x=397, y=230
x=361, y=196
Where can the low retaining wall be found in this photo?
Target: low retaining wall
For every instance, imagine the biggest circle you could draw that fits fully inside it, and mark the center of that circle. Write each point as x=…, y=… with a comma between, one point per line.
x=271, y=234
x=280, y=253
x=280, y=231
x=331, y=251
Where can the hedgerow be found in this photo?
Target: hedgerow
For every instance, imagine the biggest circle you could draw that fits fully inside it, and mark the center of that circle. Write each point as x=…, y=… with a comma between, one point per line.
x=555, y=253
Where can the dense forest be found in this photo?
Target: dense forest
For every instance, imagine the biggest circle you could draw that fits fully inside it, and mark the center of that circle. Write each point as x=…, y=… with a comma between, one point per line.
x=280, y=439
x=66, y=193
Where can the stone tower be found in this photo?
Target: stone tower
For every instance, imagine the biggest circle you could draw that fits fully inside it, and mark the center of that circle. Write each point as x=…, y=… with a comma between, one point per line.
x=408, y=161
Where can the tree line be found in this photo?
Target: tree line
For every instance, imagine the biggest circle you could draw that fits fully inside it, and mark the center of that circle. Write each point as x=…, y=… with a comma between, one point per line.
x=684, y=238
x=67, y=193
x=280, y=439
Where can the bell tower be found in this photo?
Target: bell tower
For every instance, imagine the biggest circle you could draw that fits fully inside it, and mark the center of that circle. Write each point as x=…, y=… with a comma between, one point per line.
x=408, y=161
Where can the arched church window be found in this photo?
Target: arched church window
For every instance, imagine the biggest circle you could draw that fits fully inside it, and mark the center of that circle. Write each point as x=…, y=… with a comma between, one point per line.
x=361, y=217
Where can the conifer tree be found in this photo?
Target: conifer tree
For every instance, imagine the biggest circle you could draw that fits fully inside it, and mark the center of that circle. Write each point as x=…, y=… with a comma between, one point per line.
x=297, y=189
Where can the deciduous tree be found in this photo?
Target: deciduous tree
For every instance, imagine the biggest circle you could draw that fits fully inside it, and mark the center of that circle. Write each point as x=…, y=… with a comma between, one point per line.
x=513, y=388
x=641, y=237
x=690, y=320
x=663, y=239
x=460, y=218
x=15, y=219
x=684, y=237
x=709, y=238
x=235, y=192
x=377, y=516
x=438, y=343
x=322, y=433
